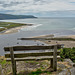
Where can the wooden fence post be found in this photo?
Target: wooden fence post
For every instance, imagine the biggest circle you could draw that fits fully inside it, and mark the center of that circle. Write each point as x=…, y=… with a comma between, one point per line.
x=13, y=61
x=55, y=58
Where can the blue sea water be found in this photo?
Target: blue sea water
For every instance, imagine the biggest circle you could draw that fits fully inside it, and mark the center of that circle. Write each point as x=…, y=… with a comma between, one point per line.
x=41, y=26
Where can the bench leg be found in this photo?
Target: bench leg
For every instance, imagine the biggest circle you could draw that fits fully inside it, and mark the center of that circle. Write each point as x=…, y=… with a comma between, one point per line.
x=51, y=62
x=14, y=68
x=13, y=61
x=55, y=58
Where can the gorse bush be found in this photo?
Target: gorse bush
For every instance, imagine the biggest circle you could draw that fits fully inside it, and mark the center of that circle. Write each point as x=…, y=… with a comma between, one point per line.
x=68, y=53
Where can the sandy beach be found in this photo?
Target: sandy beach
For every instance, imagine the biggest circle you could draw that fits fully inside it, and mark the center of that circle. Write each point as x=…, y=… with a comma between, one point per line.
x=13, y=30
x=67, y=44
x=71, y=36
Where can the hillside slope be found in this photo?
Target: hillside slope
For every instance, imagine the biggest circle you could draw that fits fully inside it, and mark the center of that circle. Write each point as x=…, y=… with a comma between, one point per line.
x=9, y=16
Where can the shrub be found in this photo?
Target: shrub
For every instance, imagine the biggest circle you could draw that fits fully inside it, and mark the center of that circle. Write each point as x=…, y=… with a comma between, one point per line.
x=68, y=53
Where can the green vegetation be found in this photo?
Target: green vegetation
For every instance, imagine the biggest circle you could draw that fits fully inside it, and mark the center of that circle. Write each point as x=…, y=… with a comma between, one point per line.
x=61, y=39
x=8, y=25
x=40, y=68
x=3, y=62
x=68, y=53
x=5, y=65
x=38, y=72
x=1, y=29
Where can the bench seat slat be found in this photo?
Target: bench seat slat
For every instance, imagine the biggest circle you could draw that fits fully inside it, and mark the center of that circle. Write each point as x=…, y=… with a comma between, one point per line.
x=24, y=48
x=33, y=58
x=21, y=55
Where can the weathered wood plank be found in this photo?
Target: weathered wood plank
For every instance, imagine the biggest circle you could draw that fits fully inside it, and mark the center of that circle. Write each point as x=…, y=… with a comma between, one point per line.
x=33, y=58
x=21, y=55
x=55, y=58
x=23, y=48
x=13, y=61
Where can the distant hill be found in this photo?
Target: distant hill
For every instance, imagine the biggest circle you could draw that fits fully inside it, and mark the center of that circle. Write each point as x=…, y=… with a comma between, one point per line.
x=9, y=16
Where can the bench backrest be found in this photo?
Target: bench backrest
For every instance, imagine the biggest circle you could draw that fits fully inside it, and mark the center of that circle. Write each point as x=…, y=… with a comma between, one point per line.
x=30, y=48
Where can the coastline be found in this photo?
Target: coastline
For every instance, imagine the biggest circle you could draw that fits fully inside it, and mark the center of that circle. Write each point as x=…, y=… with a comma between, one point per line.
x=67, y=44
x=15, y=29
x=52, y=35
x=10, y=27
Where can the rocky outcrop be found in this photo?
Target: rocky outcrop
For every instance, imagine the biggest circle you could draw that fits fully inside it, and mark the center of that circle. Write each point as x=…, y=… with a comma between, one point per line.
x=68, y=71
x=70, y=62
x=1, y=71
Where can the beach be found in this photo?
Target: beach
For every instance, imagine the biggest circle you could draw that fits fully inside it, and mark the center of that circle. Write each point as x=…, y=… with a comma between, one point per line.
x=67, y=44
x=10, y=27
x=13, y=30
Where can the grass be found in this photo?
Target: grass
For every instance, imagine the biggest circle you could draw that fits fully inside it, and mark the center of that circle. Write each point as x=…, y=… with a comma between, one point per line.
x=8, y=25
x=37, y=72
x=4, y=62
x=5, y=65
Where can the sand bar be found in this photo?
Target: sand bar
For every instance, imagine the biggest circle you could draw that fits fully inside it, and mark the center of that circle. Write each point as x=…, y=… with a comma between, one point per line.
x=67, y=44
x=13, y=30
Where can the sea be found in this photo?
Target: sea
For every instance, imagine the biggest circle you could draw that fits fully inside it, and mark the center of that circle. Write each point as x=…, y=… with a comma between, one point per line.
x=41, y=26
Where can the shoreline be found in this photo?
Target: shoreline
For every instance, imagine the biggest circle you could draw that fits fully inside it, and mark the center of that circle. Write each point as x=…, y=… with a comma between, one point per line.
x=14, y=30
x=52, y=35
x=67, y=44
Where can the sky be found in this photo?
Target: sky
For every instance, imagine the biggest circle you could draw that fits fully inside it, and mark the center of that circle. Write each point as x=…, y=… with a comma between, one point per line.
x=39, y=8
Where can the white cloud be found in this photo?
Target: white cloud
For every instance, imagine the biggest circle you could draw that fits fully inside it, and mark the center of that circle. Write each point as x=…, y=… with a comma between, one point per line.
x=35, y=6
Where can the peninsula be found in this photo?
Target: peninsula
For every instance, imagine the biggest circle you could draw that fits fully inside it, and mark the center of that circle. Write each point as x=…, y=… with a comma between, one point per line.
x=9, y=16
x=9, y=27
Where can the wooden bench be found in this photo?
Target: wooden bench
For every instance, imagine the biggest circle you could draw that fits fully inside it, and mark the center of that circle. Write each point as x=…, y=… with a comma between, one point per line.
x=52, y=54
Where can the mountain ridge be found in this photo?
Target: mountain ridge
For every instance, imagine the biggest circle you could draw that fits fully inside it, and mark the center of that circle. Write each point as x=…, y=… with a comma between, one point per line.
x=10, y=16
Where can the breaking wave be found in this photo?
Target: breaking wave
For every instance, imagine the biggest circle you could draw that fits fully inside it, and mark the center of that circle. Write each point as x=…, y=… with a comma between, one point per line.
x=34, y=26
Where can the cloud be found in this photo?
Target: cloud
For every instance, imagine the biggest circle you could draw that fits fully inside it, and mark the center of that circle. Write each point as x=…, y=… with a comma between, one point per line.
x=35, y=6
